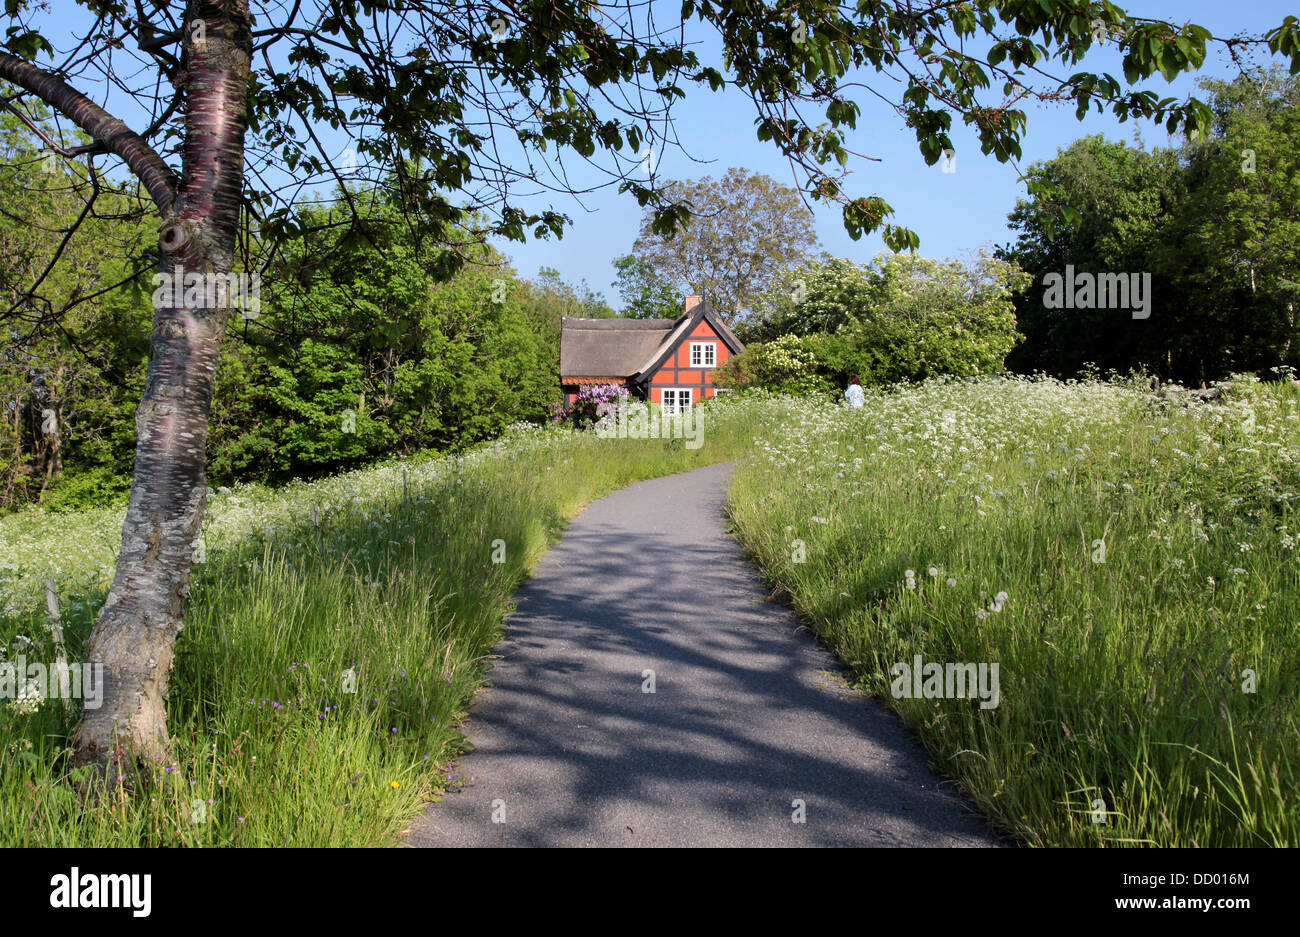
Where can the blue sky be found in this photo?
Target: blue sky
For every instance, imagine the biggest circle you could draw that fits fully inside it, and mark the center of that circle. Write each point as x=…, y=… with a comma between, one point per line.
x=952, y=212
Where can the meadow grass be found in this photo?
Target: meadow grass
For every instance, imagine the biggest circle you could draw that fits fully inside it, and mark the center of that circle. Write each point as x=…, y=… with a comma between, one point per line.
x=1147, y=641
x=396, y=583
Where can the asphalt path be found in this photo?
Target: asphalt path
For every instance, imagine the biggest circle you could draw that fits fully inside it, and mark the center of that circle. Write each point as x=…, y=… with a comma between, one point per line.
x=749, y=737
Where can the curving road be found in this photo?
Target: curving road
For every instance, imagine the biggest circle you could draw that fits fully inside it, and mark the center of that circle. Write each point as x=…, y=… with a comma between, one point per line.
x=745, y=723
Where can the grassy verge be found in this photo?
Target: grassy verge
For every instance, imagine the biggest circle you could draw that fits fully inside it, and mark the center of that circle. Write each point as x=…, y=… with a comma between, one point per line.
x=1147, y=642
x=397, y=584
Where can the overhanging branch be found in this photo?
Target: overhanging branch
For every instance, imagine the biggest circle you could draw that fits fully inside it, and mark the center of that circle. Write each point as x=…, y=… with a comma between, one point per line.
x=105, y=129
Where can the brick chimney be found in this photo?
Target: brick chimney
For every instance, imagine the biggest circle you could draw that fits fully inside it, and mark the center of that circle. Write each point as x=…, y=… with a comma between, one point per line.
x=691, y=302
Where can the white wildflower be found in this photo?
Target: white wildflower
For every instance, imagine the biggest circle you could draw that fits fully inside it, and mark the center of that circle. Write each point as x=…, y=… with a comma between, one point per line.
x=28, y=700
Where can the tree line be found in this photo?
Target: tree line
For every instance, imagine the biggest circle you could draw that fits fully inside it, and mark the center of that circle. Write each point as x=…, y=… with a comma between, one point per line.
x=356, y=349
x=1214, y=221
x=361, y=349
x=1205, y=231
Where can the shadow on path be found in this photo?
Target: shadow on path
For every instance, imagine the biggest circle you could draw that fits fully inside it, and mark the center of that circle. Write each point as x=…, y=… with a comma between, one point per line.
x=746, y=722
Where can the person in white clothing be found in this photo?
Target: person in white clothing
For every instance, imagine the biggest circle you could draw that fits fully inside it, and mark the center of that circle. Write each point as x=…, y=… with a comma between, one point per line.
x=853, y=393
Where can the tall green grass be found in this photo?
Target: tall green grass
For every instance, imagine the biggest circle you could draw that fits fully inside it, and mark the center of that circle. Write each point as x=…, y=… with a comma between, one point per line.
x=1121, y=673
x=396, y=582
x=1124, y=673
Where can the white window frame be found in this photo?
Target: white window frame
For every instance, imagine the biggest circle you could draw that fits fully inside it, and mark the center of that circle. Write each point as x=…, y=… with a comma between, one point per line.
x=713, y=353
x=676, y=406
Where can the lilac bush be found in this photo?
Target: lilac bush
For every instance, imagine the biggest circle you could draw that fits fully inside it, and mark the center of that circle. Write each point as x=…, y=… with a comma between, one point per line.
x=594, y=402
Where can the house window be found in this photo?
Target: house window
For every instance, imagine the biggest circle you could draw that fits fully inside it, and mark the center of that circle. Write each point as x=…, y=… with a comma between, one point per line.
x=704, y=354
x=676, y=401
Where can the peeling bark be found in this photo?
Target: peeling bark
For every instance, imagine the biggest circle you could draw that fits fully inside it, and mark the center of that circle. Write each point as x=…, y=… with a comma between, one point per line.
x=136, y=631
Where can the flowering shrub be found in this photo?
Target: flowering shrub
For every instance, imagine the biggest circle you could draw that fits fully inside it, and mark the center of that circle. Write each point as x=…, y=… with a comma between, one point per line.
x=786, y=365
x=902, y=318
x=594, y=402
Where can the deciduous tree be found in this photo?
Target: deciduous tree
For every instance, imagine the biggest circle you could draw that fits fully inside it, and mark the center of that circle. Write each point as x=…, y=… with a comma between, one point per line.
x=645, y=294
x=1212, y=220
x=743, y=229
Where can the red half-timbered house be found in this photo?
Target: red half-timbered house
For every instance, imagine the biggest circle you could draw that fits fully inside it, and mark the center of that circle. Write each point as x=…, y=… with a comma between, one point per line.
x=665, y=361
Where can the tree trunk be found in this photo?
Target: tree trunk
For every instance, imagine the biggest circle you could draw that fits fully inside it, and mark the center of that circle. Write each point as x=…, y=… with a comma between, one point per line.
x=135, y=634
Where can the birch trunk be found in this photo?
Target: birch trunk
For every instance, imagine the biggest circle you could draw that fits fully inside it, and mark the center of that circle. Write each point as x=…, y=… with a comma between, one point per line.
x=136, y=631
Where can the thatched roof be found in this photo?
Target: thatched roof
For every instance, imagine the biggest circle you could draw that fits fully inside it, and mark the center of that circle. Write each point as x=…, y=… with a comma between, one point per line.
x=624, y=348
x=609, y=347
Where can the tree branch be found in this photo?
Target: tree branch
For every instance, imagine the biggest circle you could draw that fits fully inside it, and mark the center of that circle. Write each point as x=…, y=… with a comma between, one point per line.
x=67, y=151
x=105, y=129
